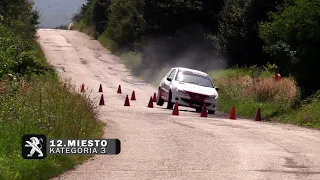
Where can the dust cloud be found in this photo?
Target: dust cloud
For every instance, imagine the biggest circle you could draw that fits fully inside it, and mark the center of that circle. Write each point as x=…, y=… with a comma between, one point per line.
x=188, y=48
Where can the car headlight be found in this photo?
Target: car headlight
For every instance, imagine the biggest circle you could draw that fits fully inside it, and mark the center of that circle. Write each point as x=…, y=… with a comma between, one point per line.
x=181, y=91
x=213, y=97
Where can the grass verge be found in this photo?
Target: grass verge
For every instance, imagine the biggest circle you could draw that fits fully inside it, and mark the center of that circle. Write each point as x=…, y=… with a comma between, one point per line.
x=89, y=30
x=108, y=43
x=82, y=27
x=307, y=115
x=41, y=105
x=249, y=90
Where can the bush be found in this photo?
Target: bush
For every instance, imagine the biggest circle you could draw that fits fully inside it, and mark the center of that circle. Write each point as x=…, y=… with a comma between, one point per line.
x=106, y=42
x=291, y=37
x=18, y=55
x=32, y=100
x=82, y=27
x=240, y=87
x=41, y=106
x=307, y=115
x=266, y=89
x=261, y=89
x=125, y=22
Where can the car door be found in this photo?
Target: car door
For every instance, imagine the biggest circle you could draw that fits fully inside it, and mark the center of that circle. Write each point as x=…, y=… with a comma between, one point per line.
x=167, y=84
x=163, y=84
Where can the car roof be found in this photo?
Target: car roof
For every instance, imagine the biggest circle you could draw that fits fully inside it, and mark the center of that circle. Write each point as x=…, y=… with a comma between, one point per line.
x=188, y=69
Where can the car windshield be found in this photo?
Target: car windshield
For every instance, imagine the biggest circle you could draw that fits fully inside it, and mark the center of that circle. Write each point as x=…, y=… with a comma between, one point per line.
x=193, y=78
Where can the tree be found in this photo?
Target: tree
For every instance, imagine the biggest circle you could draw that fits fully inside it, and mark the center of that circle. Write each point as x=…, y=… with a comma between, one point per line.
x=293, y=37
x=238, y=31
x=100, y=14
x=125, y=22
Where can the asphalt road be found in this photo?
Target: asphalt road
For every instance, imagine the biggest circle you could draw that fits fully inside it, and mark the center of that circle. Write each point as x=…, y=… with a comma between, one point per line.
x=157, y=145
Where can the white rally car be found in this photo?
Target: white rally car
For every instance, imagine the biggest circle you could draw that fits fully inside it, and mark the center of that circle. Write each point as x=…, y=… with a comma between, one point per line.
x=188, y=87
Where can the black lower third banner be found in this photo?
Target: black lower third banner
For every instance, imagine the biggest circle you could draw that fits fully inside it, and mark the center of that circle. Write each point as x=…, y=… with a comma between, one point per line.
x=36, y=146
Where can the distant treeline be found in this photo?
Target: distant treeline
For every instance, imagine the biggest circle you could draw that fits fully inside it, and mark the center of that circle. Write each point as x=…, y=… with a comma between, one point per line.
x=245, y=32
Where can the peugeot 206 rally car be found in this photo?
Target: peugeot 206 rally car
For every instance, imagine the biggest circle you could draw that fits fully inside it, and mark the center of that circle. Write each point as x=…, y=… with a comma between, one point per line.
x=188, y=87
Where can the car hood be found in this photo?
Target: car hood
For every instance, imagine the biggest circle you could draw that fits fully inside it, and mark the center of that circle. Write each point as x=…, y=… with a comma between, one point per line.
x=196, y=88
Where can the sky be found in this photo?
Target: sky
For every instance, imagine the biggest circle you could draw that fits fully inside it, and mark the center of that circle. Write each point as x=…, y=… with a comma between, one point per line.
x=57, y=12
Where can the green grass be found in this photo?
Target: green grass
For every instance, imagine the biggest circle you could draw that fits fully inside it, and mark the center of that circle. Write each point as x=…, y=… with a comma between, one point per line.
x=234, y=92
x=308, y=115
x=230, y=85
x=235, y=72
x=90, y=31
x=82, y=27
x=228, y=73
x=247, y=107
x=109, y=44
x=41, y=105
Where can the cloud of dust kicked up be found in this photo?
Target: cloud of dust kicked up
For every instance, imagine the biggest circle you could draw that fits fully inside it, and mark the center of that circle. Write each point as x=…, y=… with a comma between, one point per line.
x=188, y=48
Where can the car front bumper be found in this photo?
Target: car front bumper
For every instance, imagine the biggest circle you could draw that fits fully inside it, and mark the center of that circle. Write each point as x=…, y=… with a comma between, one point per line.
x=187, y=101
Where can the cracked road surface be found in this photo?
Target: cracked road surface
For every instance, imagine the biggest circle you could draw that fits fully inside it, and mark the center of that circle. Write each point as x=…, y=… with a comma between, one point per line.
x=157, y=145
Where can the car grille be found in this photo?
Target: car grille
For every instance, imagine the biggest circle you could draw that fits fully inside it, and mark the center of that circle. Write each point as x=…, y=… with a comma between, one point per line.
x=196, y=96
x=189, y=101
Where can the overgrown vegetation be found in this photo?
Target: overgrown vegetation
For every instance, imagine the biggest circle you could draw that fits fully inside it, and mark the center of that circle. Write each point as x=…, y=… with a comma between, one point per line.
x=247, y=90
x=32, y=99
x=42, y=106
x=213, y=35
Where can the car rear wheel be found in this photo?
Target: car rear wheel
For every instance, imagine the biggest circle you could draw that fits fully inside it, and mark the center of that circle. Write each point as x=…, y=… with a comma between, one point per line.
x=211, y=112
x=160, y=101
x=170, y=104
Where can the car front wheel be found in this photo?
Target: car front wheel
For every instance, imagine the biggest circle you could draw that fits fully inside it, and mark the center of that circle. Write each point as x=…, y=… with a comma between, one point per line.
x=170, y=104
x=211, y=112
x=159, y=99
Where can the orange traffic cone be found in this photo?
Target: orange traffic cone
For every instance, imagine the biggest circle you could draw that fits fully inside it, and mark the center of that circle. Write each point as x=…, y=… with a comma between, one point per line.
x=82, y=88
x=133, y=96
x=150, y=105
x=233, y=113
x=175, y=111
x=119, y=89
x=154, y=97
x=101, y=100
x=204, y=112
x=258, y=116
x=127, y=103
x=100, y=88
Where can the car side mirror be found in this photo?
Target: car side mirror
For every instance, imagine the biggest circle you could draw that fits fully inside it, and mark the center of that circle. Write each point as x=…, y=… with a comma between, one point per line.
x=169, y=79
x=217, y=89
